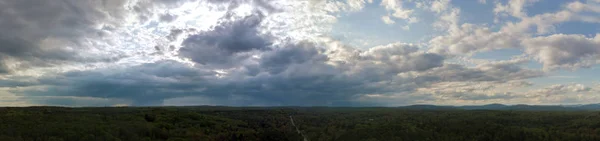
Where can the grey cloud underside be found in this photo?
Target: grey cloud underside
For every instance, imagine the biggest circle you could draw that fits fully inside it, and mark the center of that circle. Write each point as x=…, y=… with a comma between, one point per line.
x=498, y=72
x=168, y=17
x=295, y=74
x=228, y=42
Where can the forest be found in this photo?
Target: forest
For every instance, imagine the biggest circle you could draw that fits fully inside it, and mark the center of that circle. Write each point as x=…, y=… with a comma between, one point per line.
x=206, y=123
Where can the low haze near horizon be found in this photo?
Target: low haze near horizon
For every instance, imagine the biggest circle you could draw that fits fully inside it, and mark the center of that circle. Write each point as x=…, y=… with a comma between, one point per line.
x=298, y=52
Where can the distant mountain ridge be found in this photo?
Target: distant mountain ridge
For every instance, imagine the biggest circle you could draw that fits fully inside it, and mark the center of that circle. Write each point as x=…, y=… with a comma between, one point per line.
x=522, y=107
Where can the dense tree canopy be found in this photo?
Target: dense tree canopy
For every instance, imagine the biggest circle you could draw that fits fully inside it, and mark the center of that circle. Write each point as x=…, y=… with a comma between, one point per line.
x=345, y=124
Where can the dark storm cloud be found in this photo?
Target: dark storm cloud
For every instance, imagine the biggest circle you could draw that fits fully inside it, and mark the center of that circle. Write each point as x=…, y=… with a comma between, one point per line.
x=146, y=84
x=151, y=87
x=33, y=31
x=232, y=39
x=293, y=74
x=226, y=43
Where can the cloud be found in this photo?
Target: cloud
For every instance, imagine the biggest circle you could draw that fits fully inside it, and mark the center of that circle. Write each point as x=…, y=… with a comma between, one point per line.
x=227, y=43
x=71, y=101
x=482, y=1
x=357, y=5
x=142, y=84
x=509, y=70
x=302, y=81
x=495, y=71
x=17, y=82
x=469, y=38
x=258, y=52
x=3, y=67
x=515, y=8
x=545, y=23
x=553, y=51
x=589, y=6
x=226, y=51
x=387, y=20
x=564, y=51
x=439, y=6
x=167, y=17
x=406, y=56
x=520, y=83
x=34, y=34
x=236, y=62
x=564, y=93
x=396, y=8
x=294, y=74
x=57, y=33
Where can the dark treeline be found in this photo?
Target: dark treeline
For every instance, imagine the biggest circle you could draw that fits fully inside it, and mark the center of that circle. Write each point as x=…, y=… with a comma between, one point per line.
x=344, y=124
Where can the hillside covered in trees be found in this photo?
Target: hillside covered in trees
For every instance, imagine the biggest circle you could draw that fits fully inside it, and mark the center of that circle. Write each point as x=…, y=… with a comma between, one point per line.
x=317, y=123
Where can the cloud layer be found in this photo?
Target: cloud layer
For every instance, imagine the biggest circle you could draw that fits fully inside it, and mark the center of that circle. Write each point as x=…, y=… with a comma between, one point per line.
x=255, y=52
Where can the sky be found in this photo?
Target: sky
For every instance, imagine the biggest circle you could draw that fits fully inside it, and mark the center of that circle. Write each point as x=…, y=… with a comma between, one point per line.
x=298, y=52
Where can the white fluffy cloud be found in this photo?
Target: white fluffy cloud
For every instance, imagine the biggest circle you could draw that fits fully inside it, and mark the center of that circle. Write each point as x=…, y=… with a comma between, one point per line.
x=396, y=10
x=470, y=38
x=564, y=51
x=553, y=51
x=357, y=5
x=545, y=23
x=515, y=8
x=387, y=20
